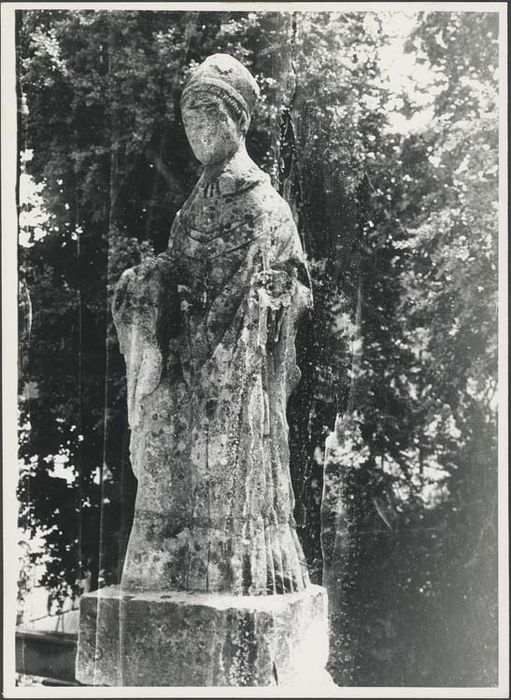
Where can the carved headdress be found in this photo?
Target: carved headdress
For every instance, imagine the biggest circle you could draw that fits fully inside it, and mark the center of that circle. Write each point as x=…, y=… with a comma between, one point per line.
x=223, y=75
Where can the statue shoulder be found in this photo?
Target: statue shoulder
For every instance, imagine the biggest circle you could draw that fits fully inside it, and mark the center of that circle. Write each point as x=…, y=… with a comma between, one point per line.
x=265, y=199
x=278, y=214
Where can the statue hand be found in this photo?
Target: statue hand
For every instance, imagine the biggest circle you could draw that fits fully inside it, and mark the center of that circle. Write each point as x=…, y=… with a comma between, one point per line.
x=276, y=283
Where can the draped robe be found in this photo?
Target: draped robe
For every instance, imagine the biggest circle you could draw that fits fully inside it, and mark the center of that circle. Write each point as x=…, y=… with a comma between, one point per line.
x=208, y=334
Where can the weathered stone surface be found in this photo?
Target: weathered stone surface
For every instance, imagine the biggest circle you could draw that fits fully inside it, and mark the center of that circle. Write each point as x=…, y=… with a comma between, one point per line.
x=215, y=589
x=207, y=330
x=189, y=639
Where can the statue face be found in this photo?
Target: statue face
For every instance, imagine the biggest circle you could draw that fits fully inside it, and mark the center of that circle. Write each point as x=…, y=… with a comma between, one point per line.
x=213, y=133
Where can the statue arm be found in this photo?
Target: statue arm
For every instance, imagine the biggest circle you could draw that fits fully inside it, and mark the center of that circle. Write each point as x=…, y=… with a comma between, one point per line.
x=284, y=269
x=282, y=284
x=142, y=315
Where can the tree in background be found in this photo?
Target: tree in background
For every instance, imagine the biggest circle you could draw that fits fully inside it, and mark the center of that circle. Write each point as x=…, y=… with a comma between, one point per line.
x=398, y=361
x=410, y=508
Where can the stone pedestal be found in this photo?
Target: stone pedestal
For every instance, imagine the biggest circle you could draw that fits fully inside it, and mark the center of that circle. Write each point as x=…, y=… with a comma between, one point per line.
x=193, y=639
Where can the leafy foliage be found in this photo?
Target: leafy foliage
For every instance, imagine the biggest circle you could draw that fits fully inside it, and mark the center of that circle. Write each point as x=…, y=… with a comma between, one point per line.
x=399, y=359
x=430, y=417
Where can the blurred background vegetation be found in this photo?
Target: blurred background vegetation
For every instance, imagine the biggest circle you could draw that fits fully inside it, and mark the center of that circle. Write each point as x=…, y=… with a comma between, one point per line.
x=381, y=131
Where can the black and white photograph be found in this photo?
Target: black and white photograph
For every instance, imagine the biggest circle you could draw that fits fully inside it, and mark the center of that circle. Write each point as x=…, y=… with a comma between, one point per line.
x=254, y=358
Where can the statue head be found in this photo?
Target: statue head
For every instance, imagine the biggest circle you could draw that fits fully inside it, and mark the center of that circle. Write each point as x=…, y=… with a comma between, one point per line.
x=216, y=106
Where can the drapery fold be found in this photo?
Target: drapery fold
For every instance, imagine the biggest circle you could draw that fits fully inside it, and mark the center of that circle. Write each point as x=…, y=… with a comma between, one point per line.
x=208, y=330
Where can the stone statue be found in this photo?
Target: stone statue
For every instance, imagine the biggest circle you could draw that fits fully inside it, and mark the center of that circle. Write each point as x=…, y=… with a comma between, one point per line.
x=207, y=330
